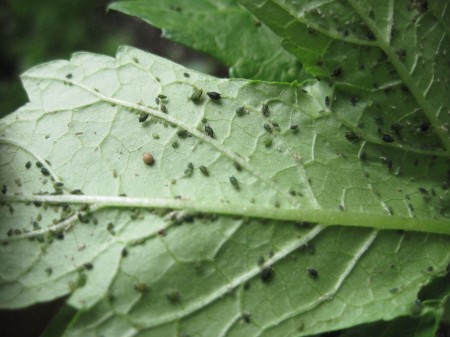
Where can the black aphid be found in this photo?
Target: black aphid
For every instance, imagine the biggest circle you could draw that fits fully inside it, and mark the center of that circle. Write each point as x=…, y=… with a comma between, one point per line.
x=39, y=164
x=268, y=142
x=173, y=296
x=28, y=165
x=388, y=138
x=423, y=190
x=163, y=108
x=143, y=117
x=186, y=75
x=424, y=126
x=88, y=266
x=351, y=136
x=183, y=134
x=246, y=317
x=44, y=171
x=162, y=96
x=265, y=110
x=234, y=182
x=190, y=169
x=294, y=127
x=204, y=170
x=313, y=273
x=336, y=72
x=4, y=189
x=215, y=96
x=69, y=76
x=266, y=274
x=268, y=128
x=237, y=166
x=240, y=111
x=196, y=95
x=209, y=131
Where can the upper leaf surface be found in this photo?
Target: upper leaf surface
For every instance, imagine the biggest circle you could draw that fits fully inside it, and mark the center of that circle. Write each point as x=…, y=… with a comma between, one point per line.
x=388, y=57
x=224, y=30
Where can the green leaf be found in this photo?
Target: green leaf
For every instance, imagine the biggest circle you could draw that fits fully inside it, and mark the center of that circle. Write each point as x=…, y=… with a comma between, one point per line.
x=172, y=264
x=222, y=29
x=374, y=52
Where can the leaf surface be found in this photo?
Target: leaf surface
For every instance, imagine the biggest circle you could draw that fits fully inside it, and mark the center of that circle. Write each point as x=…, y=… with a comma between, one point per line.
x=224, y=30
x=172, y=264
x=374, y=52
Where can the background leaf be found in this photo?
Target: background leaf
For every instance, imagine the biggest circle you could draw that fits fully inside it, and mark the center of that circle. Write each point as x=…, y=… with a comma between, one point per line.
x=224, y=30
x=175, y=272
x=374, y=52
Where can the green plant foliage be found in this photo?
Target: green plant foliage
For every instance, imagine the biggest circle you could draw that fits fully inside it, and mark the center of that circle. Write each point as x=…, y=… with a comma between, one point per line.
x=224, y=30
x=165, y=202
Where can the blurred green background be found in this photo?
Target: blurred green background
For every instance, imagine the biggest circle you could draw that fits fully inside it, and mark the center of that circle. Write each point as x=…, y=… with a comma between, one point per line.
x=33, y=32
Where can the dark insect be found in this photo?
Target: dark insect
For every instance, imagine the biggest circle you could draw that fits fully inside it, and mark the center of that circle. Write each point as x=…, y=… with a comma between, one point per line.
x=237, y=166
x=196, y=95
x=148, y=158
x=69, y=76
x=261, y=260
x=240, y=111
x=143, y=117
x=313, y=273
x=246, y=317
x=341, y=208
x=268, y=142
x=294, y=127
x=173, y=296
x=124, y=252
x=163, y=108
x=388, y=138
x=88, y=266
x=141, y=287
x=234, y=182
x=352, y=137
x=183, y=134
x=268, y=128
x=190, y=169
x=266, y=274
x=28, y=165
x=44, y=171
x=209, y=131
x=175, y=144
x=423, y=190
x=265, y=110
x=336, y=72
x=162, y=96
x=186, y=75
x=215, y=96
x=39, y=164
x=424, y=126
x=157, y=100
x=204, y=170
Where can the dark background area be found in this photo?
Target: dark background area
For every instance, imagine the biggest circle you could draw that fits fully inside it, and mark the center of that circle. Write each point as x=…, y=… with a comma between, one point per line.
x=34, y=32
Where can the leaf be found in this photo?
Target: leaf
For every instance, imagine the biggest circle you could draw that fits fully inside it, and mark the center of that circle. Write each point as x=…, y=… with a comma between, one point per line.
x=222, y=29
x=174, y=266
x=374, y=52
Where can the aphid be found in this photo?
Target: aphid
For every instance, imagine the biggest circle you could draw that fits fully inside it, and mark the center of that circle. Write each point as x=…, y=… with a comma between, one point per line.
x=246, y=317
x=69, y=76
x=173, y=296
x=124, y=252
x=424, y=126
x=141, y=287
x=39, y=164
x=143, y=117
x=175, y=144
x=183, y=134
x=155, y=136
x=294, y=127
x=209, y=131
x=4, y=189
x=423, y=190
x=261, y=260
x=237, y=166
x=336, y=72
x=240, y=111
x=388, y=138
x=188, y=172
x=28, y=165
x=234, y=182
x=267, y=127
x=204, y=170
x=186, y=75
x=148, y=158
x=135, y=59
x=266, y=274
x=48, y=271
x=88, y=266
x=162, y=96
x=196, y=95
x=44, y=171
x=157, y=101
x=265, y=110
x=352, y=137
x=341, y=208
x=327, y=100
x=215, y=96
x=268, y=142
x=313, y=273
x=163, y=108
